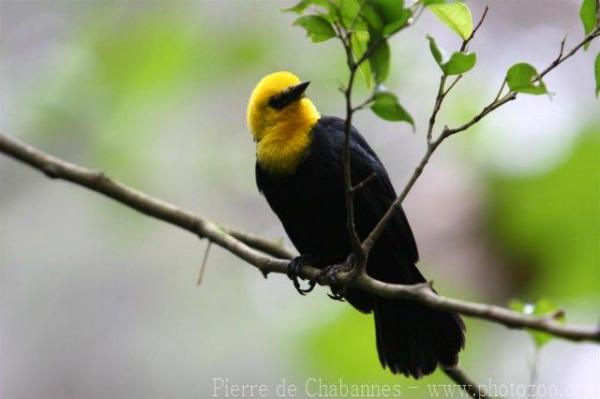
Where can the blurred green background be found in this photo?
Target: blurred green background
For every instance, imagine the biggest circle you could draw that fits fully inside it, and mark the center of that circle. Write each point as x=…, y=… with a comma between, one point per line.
x=100, y=302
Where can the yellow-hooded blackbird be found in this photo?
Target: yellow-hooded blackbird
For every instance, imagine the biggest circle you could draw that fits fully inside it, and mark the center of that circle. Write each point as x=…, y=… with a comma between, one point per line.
x=299, y=170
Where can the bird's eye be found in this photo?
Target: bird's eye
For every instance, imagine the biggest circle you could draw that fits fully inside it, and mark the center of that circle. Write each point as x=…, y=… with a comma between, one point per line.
x=280, y=100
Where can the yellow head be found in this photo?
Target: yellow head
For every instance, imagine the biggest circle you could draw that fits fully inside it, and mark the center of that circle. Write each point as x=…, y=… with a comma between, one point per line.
x=280, y=119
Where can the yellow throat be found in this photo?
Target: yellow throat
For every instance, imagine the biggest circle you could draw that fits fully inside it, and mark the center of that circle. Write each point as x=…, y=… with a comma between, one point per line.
x=282, y=133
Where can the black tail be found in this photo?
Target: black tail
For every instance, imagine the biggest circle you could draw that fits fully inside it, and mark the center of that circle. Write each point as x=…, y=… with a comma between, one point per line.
x=413, y=338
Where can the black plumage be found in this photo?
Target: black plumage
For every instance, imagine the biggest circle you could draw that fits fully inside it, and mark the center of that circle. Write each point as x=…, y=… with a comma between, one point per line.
x=411, y=338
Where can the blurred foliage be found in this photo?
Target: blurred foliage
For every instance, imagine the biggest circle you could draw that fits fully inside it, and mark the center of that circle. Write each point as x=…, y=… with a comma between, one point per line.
x=548, y=225
x=344, y=348
x=142, y=64
x=542, y=307
x=328, y=348
x=117, y=82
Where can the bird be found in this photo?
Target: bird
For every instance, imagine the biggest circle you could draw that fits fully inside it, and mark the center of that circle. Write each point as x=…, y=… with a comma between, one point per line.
x=299, y=170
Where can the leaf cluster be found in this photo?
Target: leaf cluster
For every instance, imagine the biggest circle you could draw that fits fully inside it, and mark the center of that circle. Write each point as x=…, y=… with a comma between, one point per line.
x=365, y=27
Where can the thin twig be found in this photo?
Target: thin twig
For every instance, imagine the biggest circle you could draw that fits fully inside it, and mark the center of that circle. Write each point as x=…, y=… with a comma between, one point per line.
x=442, y=92
x=472, y=35
x=454, y=82
x=204, y=261
x=561, y=58
x=369, y=242
x=345, y=38
x=469, y=386
x=447, y=132
x=439, y=98
x=350, y=222
x=533, y=371
x=502, y=86
x=359, y=255
x=364, y=104
x=363, y=183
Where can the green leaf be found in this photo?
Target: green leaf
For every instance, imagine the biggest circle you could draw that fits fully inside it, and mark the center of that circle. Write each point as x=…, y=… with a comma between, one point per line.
x=386, y=106
x=389, y=10
x=391, y=13
x=588, y=14
x=398, y=24
x=519, y=78
x=457, y=16
x=380, y=62
x=372, y=17
x=543, y=307
x=457, y=64
x=438, y=53
x=589, y=17
x=298, y=8
x=349, y=10
x=358, y=42
x=597, y=73
x=304, y=4
x=317, y=27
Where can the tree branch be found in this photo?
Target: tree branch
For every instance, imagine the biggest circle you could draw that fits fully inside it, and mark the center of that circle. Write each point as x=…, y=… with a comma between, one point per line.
x=499, y=101
x=273, y=248
x=472, y=35
x=351, y=223
x=356, y=263
x=244, y=245
x=255, y=250
x=442, y=91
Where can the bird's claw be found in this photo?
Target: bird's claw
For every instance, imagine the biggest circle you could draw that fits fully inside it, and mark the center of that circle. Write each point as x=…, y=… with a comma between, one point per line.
x=337, y=294
x=293, y=270
x=329, y=275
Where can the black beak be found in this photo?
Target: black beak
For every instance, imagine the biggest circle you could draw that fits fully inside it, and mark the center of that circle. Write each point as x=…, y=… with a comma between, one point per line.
x=287, y=97
x=297, y=91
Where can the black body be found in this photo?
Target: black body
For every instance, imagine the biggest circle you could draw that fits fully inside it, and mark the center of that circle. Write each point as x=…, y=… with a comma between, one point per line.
x=411, y=338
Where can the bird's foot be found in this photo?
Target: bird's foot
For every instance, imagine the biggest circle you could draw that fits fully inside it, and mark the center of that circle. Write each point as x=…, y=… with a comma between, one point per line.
x=337, y=276
x=293, y=270
x=347, y=270
x=328, y=276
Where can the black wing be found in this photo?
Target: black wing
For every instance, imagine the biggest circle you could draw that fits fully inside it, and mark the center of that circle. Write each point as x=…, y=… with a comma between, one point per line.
x=374, y=198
